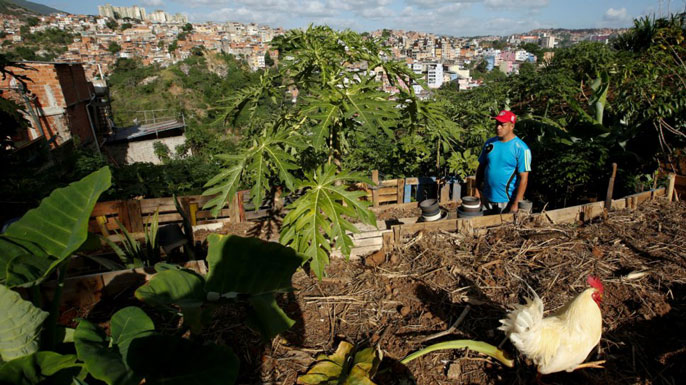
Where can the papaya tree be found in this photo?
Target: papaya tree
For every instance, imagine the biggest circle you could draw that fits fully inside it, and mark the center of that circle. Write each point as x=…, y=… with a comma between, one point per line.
x=328, y=91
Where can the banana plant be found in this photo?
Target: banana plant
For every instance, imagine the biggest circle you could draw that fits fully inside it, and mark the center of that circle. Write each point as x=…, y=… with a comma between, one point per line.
x=42, y=241
x=31, y=250
x=239, y=269
x=347, y=366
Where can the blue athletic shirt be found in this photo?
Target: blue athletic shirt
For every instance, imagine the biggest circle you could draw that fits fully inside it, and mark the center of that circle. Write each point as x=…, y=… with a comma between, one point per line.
x=503, y=161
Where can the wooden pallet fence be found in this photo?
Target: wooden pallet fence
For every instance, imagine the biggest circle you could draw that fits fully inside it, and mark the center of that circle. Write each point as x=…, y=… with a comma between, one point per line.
x=583, y=213
x=135, y=213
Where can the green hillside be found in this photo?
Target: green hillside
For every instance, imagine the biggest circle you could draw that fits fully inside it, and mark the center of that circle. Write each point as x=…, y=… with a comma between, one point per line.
x=31, y=6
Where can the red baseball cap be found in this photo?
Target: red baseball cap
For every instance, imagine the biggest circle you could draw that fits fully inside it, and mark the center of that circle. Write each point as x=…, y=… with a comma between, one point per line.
x=506, y=116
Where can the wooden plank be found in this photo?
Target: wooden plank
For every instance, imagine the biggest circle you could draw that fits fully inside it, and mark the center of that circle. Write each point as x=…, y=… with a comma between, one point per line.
x=124, y=216
x=375, y=191
x=206, y=214
x=400, y=206
x=369, y=234
x=106, y=208
x=152, y=204
x=610, y=187
x=388, y=191
x=471, y=185
x=386, y=198
x=411, y=181
x=400, y=197
x=387, y=241
x=135, y=215
x=445, y=193
x=375, y=241
x=670, y=186
x=356, y=252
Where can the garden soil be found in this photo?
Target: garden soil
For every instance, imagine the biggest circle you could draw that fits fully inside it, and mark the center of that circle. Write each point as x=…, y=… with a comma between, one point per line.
x=430, y=279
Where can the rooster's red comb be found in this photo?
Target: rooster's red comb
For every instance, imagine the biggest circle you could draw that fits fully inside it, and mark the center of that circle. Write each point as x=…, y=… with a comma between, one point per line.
x=595, y=283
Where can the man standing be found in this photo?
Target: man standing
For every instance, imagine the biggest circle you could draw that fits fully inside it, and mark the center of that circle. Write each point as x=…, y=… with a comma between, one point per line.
x=504, y=166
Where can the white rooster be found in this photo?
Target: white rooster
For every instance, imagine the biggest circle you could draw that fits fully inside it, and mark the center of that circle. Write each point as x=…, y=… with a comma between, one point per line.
x=563, y=340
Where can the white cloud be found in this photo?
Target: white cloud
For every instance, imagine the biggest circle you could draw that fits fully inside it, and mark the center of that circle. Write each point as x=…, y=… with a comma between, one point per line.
x=615, y=14
x=152, y=3
x=516, y=4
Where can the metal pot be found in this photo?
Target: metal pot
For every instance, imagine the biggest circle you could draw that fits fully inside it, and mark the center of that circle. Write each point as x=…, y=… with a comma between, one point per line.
x=470, y=204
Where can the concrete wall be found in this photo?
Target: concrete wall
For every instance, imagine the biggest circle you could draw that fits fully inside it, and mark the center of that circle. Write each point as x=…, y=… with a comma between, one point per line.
x=143, y=150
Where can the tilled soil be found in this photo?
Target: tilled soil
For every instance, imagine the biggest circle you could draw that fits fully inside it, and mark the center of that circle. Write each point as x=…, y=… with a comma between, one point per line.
x=430, y=279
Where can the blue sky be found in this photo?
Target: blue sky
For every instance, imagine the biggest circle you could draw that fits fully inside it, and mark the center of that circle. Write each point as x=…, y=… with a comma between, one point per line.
x=457, y=18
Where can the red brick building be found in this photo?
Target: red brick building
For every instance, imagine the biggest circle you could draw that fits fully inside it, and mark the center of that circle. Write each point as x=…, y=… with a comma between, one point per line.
x=59, y=103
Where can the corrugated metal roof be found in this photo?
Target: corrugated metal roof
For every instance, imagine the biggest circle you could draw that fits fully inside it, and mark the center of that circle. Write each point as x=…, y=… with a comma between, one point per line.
x=139, y=131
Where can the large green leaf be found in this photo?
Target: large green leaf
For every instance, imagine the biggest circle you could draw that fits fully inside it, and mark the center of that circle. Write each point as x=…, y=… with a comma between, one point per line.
x=105, y=357
x=20, y=324
x=41, y=368
x=168, y=360
x=317, y=221
x=126, y=325
x=249, y=265
x=56, y=228
x=255, y=267
x=176, y=287
x=267, y=317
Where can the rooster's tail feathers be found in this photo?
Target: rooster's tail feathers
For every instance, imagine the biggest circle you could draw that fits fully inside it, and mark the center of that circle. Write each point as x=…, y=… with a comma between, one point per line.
x=524, y=318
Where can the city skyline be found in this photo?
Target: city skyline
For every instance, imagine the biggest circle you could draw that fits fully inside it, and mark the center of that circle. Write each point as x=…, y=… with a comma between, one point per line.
x=461, y=18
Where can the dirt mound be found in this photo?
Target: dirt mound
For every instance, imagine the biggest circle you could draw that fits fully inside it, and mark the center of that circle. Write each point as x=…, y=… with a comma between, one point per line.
x=430, y=279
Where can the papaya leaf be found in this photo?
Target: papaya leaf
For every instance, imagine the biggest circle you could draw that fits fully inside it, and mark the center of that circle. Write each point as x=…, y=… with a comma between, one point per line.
x=477, y=346
x=56, y=228
x=266, y=158
x=317, y=221
x=42, y=368
x=169, y=360
x=20, y=325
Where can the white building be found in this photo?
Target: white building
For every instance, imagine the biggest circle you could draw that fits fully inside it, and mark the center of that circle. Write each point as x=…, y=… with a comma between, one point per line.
x=521, y=55
x=434, y=75
x=547, y=41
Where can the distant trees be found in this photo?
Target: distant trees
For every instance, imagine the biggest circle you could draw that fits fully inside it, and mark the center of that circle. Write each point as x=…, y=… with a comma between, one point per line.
x=114, y=47
x=111, y=24
x=126, y=26
x=268, y=61
x=187, y=27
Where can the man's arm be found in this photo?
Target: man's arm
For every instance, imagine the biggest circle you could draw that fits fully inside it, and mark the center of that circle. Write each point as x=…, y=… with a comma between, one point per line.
x=521, y=189
x=479, y=180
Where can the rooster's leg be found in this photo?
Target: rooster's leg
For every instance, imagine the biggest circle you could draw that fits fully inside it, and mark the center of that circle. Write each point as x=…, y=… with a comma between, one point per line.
x=593, y=364
x=539, y=381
